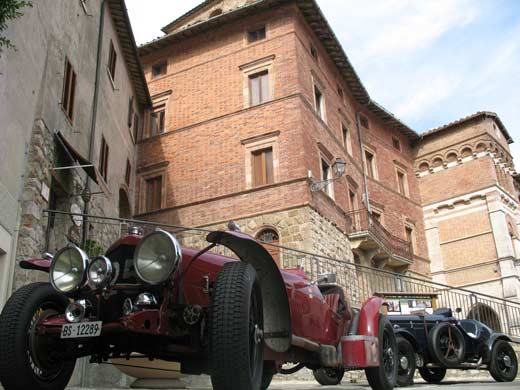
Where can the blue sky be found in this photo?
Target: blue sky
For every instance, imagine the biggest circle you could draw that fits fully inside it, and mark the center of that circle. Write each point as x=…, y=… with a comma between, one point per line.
x=429, y=62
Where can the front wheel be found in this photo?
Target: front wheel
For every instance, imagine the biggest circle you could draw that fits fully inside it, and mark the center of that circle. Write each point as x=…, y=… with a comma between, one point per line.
x=28, y=360
x=328, y=376
x=236, y=329
x=406, y=362
x=432, y=375
x=503, y=366
x=384, y=377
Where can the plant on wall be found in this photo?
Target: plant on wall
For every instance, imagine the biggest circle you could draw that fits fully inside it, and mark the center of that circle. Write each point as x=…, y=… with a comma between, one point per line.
x=93, y=248
x=9, y=10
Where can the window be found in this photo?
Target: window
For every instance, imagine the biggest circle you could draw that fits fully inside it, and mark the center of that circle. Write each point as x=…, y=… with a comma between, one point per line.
x=340, y=92
x=409, y=236
x=262, y=167
x=401, y=183
x=364, y=121
x=259, y=88
x=135, y=131
x=256, y=35
x=271, y=238
x=370, y=164
x=352, y=200
x=128, y=172
x=377, y=216
x=159, y=69
x=396, y=143
x=112, y=60
x=326, y=174
x=319, y=103
x=130, y=117
x=103, y=159
x=157, y=118
x=69, y=90
x=314, y=52
x=153, y=193
x=346, y=138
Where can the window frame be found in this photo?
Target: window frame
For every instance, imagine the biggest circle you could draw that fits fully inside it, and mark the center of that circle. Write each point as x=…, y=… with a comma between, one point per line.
x=364, y=121
x=162, y=63
x=128, y=172
x=346, y=138
x=261, y=154
x=412, y=241
x=405, y=190
x=262, y=77
x=104, y=155
x=255, y=30
x=68, y=97
x=254, y=144
x=255, y=67
x=143, y=190
x=112, y=62
x=329, y=188
x=396, y=143
x=373, y=163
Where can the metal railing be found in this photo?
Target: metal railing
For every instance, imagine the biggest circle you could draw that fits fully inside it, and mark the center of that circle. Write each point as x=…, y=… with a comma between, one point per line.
x=360, y=282
x=361, y=221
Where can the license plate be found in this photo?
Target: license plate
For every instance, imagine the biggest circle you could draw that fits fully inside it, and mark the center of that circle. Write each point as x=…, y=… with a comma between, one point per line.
x=80, y=330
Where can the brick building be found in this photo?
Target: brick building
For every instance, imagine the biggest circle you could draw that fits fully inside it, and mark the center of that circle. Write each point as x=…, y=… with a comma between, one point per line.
x=253, y=101
x=471, y=206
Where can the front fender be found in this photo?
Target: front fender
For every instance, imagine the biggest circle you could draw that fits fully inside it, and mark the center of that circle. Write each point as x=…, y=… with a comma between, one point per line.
x=369, y=317
x=488, y=345
x=277, y=313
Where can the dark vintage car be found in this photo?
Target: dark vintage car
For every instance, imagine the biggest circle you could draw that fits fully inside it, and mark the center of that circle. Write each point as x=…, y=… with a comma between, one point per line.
x=240, y=321
x=435, y=342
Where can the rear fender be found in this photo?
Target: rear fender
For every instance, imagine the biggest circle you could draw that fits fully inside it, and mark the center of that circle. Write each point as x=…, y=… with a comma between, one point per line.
x=369, y=317
x=43, y=265
x=277, y=313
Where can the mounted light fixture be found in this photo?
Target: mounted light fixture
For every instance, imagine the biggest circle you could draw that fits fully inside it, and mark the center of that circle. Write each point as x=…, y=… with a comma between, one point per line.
x=338, y=168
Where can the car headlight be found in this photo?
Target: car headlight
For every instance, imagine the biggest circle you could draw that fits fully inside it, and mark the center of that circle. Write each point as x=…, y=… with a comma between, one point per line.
x=68, y=269
x=100, y=272
x=156, y=257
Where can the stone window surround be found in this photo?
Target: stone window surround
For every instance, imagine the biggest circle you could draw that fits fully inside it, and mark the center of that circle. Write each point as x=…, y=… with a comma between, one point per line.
x=150, y=172
x=410, y=225
x=401, y=170
x=347, y=143
x=325, y=155
x=254, y=27
x=264, y=141
x=157, y=100
x=317, y=83
x=253, y=67
x=372, y=151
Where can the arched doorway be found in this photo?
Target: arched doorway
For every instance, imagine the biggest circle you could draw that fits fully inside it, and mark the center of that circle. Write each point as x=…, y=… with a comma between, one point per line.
x=270, y=237
x=486, y=315
x=124, y=205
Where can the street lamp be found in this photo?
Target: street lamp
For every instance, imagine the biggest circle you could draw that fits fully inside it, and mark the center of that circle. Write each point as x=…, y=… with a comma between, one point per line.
x=338, y=168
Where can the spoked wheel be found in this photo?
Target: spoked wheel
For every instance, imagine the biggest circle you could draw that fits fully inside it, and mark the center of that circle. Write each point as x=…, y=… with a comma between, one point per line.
x=384, y=377
x=447, y=344
x=236, y=329
x=503, y=366
x=406, y=361
x=432, y=375
x=328, y=376
x=28, y=360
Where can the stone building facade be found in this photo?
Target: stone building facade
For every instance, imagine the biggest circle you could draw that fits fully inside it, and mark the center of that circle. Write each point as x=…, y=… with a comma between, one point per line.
x=471, y=205
x=253, y=101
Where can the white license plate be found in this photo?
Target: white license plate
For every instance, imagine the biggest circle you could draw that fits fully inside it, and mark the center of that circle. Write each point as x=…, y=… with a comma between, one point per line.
x=80, y=330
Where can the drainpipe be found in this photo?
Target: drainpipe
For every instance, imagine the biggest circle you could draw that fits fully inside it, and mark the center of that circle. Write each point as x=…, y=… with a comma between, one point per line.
x=86, y=196
x=365, y=179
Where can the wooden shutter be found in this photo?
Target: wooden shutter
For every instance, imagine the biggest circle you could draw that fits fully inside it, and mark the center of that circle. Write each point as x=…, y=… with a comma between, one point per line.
x=268, y=164
x=254, y=86
x=264, y=87
x=258, y=174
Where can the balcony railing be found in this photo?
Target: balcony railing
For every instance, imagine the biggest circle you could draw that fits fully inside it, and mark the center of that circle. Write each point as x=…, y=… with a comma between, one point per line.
x=364, y=223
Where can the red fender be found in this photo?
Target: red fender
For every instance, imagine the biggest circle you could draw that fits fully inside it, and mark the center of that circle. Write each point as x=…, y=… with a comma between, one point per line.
x=37, y=264
x=369, y=317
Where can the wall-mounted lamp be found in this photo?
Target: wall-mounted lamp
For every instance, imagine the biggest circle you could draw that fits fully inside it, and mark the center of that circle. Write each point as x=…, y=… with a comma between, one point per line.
x=338, y=168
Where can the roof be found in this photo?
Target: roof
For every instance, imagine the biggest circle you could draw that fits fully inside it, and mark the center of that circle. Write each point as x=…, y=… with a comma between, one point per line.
x=126, y=38
x=186, y=15
x=461, y=121
x=316, y=20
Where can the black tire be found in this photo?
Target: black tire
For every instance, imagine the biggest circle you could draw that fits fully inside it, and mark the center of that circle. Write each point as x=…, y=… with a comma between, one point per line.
x=447, y=345
x=384, y=377
x=26, y=359
x=432, y=375
x=406, y=362
x=503, y=366
x=235, y=329
x=267, y=374
x=328, y=376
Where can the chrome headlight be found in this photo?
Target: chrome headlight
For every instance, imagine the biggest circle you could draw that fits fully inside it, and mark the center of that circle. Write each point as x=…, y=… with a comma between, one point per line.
x=156, y=257
x=68, y=269
x=100, y=272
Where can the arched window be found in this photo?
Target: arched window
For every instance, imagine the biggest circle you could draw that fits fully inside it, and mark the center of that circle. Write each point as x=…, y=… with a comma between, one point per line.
x=424, y=167
x=216, y=12
x=486, y=315
x=437, y=162
x=466, y=152
x=271, y=238
x=451, y=157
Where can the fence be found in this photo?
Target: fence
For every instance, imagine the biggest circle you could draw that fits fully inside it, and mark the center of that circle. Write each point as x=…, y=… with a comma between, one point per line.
x=360, y=282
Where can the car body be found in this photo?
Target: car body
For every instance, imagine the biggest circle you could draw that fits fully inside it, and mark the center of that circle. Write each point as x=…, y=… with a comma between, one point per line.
x=436, y=342
x=214, y=314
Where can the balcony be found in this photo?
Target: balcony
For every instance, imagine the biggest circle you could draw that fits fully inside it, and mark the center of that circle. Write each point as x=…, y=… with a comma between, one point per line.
x=374, y=244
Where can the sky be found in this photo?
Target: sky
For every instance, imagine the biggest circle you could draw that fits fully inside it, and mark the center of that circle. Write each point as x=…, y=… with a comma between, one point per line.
x=429, y=62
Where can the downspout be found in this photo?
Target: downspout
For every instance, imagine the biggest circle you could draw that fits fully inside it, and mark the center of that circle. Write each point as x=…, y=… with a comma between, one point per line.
x=86, y=196
x=365, y=179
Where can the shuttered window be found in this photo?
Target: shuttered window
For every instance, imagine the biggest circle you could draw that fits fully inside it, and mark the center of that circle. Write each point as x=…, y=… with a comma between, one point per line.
x=259, y=88
x=103, y=159
x=263, y=167
x=158, y=117
x=112, y=61
x=69, y=90
x=153, y=193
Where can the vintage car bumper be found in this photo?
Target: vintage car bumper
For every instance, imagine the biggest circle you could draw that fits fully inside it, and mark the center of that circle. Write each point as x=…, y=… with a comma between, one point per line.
x=360, y=351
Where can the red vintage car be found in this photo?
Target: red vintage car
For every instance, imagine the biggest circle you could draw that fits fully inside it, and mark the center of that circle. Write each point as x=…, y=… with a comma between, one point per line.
x=240, y=321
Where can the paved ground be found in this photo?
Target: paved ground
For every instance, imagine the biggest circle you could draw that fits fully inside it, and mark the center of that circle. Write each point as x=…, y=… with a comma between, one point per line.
x=489, y=385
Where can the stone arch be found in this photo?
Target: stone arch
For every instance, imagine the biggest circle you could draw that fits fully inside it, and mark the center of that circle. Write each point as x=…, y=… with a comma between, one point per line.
x=486, y=315
x=125, y=210
x=466, y=151
x=437, y=162
x=216, y=12
x=451, y=156
x=424, y=166
x=481, y=147
x=271, y=238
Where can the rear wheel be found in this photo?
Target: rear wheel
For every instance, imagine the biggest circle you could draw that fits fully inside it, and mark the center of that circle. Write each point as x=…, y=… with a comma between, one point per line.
x=432, y=375
x=236, y=339
x=503, y=366
x=406, y=362
x=384, y=377
x=328, y=376
x=28, y=360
